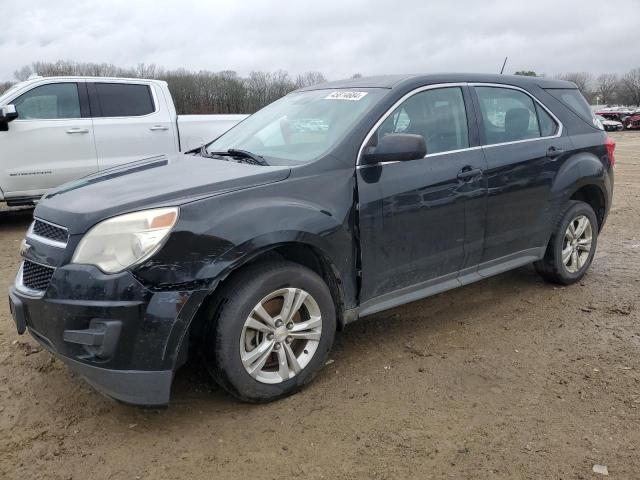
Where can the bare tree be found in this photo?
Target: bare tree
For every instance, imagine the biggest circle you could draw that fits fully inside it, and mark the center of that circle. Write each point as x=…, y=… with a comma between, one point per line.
x=4, y=86
x=583, y=81
x=606, y=86
x=23, y=73
x=309, y=79
x=193, y=92
x=630, y=86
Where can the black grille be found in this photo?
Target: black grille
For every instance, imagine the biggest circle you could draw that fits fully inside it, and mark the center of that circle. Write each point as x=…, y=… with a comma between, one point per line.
x=36, y=276
x=49, y=231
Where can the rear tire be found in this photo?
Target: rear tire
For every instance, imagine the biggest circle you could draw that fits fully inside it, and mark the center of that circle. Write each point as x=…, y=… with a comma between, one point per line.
x=572, y=245
x=270, y=331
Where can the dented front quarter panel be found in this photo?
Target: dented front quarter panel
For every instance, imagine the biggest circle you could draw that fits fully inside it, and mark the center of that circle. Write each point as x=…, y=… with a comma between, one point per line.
x=216, y=235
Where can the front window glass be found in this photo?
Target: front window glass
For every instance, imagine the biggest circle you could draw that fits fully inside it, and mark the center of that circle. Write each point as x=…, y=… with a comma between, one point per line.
x=507, y=115
x=438, y=115
x=57, y=100
x=299, y=127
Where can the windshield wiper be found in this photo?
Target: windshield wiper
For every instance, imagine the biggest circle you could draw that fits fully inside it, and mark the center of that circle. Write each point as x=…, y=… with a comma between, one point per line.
x=239, y=155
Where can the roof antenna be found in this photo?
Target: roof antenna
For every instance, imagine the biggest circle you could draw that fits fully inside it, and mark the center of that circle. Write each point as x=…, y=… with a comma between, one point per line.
x=505, y=62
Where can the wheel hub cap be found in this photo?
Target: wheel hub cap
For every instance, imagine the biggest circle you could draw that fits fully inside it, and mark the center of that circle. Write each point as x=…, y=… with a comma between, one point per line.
x=281, y=334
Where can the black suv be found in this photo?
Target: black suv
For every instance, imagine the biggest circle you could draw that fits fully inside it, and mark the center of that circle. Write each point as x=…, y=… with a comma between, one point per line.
x=332, y=203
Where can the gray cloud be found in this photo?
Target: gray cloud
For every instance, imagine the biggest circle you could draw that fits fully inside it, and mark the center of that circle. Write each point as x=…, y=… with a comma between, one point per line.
x=336, y=37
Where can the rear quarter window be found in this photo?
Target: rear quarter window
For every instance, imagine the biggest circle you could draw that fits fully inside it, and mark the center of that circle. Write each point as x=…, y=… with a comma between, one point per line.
x=574, y=101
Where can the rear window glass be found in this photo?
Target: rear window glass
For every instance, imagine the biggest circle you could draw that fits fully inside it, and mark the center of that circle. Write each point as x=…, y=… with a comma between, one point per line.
x=508, y=115
x=124, y=100
x=573, y=99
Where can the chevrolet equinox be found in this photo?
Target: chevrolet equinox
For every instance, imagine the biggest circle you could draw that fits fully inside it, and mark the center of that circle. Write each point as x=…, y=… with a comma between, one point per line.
x=333, y=203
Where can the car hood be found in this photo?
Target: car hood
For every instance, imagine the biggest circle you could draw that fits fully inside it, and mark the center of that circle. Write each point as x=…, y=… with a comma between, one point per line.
x=153, y=182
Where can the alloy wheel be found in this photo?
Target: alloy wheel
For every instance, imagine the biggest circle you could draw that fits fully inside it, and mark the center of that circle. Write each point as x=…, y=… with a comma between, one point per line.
x=281, y=335
x=576, y=245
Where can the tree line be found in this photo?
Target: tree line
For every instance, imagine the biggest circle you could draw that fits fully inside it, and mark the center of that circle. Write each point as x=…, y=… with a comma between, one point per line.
x=604, y=89
x=206, y=92
x=201, y=92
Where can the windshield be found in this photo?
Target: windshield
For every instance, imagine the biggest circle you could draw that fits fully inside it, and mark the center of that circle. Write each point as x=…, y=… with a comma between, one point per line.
x=299, y=127
x=5, y=96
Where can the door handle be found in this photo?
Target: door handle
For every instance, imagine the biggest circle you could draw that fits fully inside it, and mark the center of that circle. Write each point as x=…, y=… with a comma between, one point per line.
x=468, y=173
x=77, y=130
x=554, y=152
x=156, y=128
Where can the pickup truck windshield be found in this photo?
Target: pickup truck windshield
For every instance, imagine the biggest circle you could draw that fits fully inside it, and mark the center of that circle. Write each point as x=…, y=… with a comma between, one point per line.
x=5, y=96
x=299, y=127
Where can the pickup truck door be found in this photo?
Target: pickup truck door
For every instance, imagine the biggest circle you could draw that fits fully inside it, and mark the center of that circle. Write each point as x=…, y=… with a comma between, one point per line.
x=131, y=121
x=422, y=221
x=51, y=141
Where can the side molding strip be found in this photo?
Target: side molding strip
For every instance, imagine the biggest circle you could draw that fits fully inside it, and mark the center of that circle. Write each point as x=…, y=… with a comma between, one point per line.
x=447, y=282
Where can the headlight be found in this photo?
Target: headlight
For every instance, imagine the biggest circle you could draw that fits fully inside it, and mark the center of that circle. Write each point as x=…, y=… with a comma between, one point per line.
x=119, y=242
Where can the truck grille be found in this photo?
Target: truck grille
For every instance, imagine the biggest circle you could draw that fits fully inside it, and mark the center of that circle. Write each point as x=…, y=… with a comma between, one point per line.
x=36, y=276
x=50, y=231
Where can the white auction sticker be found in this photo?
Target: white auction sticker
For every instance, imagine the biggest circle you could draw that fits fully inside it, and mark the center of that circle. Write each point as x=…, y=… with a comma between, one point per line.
x=345, y=95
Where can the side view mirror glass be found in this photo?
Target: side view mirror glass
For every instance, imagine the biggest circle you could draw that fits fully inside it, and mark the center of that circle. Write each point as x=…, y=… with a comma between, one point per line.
x=396, y=147
x=8, y=113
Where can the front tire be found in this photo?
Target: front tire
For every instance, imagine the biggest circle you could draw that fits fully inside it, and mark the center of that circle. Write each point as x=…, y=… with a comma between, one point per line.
x=270, y=331
x=572, y=245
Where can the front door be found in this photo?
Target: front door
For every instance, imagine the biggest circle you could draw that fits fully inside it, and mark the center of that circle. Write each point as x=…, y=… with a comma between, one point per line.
x=50, y=143
x=414, y=214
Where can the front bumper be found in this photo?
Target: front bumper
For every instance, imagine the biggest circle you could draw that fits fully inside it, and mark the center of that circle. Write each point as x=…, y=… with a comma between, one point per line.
x=124, y=339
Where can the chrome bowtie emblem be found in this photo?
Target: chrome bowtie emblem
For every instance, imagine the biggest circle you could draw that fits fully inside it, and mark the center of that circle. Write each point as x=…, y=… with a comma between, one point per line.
x=24, y=248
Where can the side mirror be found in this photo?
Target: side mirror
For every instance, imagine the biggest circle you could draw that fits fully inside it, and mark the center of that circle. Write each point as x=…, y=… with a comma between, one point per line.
x=396, y=147
x=8, y=113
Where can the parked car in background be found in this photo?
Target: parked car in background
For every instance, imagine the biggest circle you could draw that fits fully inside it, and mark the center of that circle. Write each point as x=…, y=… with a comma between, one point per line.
x=617, y=114
x=53, y=130
x=632, y=122
x=335, y=202
x=610, y=125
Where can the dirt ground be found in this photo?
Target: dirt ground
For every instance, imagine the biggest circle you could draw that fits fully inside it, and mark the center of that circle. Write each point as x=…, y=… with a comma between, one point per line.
x=506, y=378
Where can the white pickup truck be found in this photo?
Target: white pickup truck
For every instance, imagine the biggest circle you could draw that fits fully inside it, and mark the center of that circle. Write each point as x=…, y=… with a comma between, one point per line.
x=57, y=129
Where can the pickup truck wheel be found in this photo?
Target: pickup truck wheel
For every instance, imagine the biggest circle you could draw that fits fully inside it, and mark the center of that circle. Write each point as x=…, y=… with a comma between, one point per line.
x=572, y=245
x=271, y=332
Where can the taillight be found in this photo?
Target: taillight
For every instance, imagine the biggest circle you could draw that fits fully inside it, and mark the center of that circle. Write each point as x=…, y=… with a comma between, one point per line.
x=610, y=145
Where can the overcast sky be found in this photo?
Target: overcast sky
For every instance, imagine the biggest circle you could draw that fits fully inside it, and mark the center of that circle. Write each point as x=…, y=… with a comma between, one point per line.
x=336, y=37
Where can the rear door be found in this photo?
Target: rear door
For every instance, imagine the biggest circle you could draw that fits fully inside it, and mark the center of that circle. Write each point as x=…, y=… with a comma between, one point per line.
x=422, y=221
x=51, y=141
x=524, y=148
x=129, y=122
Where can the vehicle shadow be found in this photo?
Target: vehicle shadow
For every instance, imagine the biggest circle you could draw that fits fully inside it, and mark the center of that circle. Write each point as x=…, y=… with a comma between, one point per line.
x=12, y=218
x=380, y=335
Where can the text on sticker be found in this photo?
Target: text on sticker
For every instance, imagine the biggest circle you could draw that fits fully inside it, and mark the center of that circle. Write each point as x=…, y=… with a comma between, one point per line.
x=344, y=95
